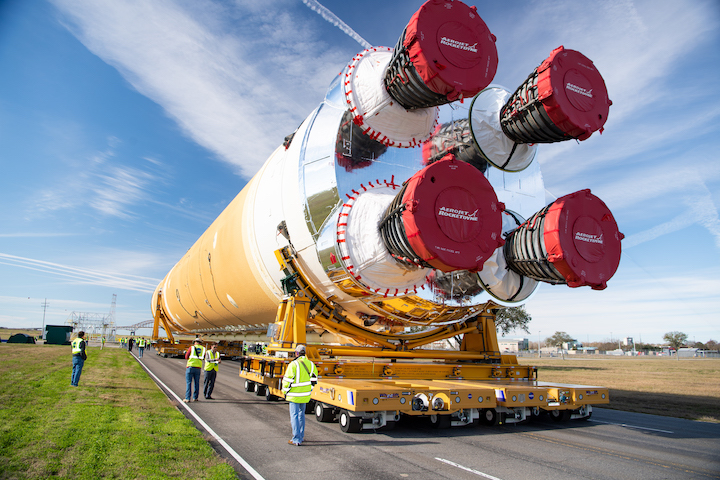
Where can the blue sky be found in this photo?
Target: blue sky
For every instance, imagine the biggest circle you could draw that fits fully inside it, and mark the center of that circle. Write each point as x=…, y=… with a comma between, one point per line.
x=126, y=128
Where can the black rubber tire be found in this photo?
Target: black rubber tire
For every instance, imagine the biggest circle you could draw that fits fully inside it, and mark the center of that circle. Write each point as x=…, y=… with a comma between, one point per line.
x=440, y=421
x=323, y=414
x=310, y=407
x=536, y=414
x=269, y=396
x=249, y=386
x=348, y=423
x=560, y=416
x=260, y=389
x=489, y=417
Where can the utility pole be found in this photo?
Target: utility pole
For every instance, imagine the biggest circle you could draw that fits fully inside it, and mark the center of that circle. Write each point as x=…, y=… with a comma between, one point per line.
x=44, y=305
x=539, y=332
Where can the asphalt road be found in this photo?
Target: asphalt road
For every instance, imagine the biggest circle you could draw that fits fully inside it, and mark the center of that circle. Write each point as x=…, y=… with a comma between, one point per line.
x=612, y=445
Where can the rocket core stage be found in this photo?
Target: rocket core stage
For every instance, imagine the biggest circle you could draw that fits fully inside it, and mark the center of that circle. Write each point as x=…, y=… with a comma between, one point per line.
x=402, y=208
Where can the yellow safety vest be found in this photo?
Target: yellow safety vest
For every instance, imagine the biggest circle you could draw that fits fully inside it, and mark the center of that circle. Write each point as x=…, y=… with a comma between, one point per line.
x=212, y=362
x=197, y=353
x=300, y=376
x=76, y=346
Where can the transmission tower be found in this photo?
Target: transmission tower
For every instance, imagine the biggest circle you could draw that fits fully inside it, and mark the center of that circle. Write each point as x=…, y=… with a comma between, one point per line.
x=95, y=325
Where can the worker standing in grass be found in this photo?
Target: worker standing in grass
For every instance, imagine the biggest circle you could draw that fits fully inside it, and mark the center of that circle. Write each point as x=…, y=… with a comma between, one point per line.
x=212, y=362
x=78, y=358
x=194, y=357
x=102, y=342
x=298, y=382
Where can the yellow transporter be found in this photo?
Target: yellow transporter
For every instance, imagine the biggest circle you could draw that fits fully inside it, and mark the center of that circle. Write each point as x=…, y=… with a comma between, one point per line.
x=370, y=387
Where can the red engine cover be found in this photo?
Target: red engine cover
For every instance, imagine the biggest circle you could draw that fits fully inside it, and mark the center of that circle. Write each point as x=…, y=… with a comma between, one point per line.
x=452, y=219
x=582, y=240
x=573, y=93
x=451, y=48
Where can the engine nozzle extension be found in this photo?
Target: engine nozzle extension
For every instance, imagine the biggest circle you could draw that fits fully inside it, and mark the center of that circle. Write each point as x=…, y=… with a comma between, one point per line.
x=446, y=216
x=445, y=53
x=574, y=240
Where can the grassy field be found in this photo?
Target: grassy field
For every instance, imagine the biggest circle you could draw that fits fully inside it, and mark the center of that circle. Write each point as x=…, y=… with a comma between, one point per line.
x=689, y=388
x=117, y=424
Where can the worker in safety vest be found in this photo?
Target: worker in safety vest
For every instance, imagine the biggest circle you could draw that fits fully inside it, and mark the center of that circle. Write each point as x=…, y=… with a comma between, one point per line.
x=297, y=384
x=141, y=346
x=78, y=358
x=194, y=357
x=102, y=343
x=212, y=360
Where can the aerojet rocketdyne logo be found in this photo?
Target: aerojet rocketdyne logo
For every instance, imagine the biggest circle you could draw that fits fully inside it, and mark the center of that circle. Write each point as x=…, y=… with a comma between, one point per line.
x=458, y=44
x=460, y=214
x=588, y=237
x=574, y=88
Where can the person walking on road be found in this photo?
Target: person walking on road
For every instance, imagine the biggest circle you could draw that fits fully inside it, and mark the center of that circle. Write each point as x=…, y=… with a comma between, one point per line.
x=78, y=358
x=141, y=346
x=194, y=357
x=212, y=360
x=297, y=384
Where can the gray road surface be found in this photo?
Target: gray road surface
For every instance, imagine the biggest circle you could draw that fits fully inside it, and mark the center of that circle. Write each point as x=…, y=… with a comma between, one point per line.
x=612, y=445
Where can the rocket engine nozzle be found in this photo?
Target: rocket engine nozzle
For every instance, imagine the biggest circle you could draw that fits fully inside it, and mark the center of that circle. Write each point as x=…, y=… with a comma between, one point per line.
x=574, y=240
x=445, y=53
x=446, y=216
x=564, y=98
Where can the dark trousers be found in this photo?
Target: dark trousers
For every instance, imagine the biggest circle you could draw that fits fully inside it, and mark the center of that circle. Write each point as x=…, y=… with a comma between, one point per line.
x=210, y=376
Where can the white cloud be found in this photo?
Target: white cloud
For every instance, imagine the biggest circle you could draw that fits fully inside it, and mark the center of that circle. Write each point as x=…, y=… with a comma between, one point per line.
x=84, y=276
x=99, y=183
x=220, y=85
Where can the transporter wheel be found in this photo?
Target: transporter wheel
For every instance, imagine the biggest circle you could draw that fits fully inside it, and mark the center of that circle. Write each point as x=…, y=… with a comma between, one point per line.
x=535, y=414
x=249, y=386
x=560, y=416
x=440, y=421
x=269, y=396
x=323, y=414
x=348, y=423
x=582, y=419
x=260, y=390
x=310, y=407
x=489, y=417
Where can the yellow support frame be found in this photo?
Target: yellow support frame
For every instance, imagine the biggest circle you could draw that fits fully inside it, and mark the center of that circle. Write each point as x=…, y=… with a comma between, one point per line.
x=391, y=367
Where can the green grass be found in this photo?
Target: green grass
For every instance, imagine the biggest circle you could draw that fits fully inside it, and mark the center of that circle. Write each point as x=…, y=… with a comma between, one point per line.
x=117, y=424
x=689, y=388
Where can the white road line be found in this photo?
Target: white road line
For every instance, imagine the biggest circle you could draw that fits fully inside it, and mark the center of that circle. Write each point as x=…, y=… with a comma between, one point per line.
x=467, y=469
x=222, y=442
x=633, y=426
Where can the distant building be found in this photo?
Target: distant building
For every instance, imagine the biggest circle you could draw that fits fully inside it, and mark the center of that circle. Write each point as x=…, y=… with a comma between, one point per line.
x=513, y=344
x=628, y=341
x=571, y=345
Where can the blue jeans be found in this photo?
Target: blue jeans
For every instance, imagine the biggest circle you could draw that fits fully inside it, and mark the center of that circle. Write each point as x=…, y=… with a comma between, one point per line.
x=297, y=420
x=140, y=351
x=77, y=363
x=192, y=374
x=210, y=376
